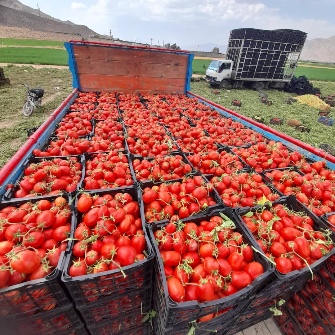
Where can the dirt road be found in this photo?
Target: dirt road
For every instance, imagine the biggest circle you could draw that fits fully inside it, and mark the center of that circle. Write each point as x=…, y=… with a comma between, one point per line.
x=36, y=66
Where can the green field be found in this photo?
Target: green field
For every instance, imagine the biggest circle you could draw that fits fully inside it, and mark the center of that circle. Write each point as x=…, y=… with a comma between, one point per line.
x=27, y=55
x=30, y=43
x=313, y=71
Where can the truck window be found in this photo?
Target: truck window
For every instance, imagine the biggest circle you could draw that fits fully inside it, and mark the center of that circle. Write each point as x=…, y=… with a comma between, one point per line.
x=224, y=66
x=214, y=65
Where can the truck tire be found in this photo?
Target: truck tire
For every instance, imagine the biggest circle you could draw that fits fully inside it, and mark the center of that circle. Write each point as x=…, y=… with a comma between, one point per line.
x=224, y=84
x=259, y=85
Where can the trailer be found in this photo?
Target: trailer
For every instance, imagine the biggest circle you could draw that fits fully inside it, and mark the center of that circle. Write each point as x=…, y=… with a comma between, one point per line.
x=258, y=58
x=124, y=91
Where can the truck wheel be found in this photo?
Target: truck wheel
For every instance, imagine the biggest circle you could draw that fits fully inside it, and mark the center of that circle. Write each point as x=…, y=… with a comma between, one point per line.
x=259, y=85
x=224, y=84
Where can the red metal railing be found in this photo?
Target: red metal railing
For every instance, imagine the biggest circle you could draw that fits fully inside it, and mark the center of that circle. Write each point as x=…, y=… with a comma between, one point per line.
x=26, y=147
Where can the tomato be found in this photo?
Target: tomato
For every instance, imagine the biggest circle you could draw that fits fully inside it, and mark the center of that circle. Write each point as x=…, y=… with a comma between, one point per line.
x=138, y=242
x=25, y=261
x=236, y=261
x=78, y=268
x=205, y=291
x=45, y=219
x=303, y=247
x=84, y=203
x=211, y=265
x=283, y=265
x=240, y=279
x=171, y=258
x=126, y=255
x=176, y=289
x=33, y=239
x=53, y=256
x=254, y=269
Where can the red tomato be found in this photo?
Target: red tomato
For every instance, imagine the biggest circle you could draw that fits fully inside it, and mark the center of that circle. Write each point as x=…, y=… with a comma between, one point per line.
x=176, y=289
x=25, y=261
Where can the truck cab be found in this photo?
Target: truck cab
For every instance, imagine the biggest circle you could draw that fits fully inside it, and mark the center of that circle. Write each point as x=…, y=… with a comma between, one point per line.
x=219, y=72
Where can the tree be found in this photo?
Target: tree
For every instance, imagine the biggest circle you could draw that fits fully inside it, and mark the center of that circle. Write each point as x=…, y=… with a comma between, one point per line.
x=173, y=46
x=216, y=50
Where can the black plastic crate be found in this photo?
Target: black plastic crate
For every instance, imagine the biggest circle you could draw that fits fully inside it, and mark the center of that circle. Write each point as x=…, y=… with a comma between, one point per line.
x=211, y=327
x=103, y=157
x=10, y=193
x=304, y=274
x=326, y=217
x=308, y=317
x=278, y=290
x=248, y=319
x=46, y=147
x=213, y=193
x=110, y=308
x=125, y=324
x=287, y=323
x=160, y=179
x=250, y=172
x=225, y=150
x=40, y=295
x=319, y=294
x=91, y=287
x=63, y=321
x=172, y=313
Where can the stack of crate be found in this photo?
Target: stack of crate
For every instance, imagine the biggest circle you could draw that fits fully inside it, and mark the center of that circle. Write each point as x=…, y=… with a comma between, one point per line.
x=3, y=80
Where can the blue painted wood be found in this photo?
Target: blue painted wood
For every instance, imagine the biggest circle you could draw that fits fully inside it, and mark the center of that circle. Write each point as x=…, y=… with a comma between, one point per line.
x=189, y=73
x=72, y=65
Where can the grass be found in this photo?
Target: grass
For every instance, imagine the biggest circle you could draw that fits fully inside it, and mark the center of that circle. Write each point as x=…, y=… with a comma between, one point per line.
x=30, y=43
x=57, y=84
x=317, y=72
x=251, y=106
x=28, y=55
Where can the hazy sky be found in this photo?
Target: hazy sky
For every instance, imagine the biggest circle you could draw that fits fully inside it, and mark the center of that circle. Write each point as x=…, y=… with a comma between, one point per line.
x=192, y=22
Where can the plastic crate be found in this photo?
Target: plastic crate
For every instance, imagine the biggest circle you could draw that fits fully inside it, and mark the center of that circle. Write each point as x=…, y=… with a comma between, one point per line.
x=307, y=317
x=247, y=320
x=40, y=295
x=325, y=217
x=103, y=156
x=226, y=150
x=172, y=313
x=62, y=321
x=249, y=172
x=287, y=323
x=125, y=324
x=211, y=327
x=10, y=192
x=91, y=287
x=184, y=160
x=320, y=295
x=109, y=309
x=212, y=193
x=294, y=276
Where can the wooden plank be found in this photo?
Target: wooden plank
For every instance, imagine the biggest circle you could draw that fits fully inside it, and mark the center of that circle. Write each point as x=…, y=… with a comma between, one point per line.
x=91, y=82
x=272, y=327
x=125, y=54
x=130, y=68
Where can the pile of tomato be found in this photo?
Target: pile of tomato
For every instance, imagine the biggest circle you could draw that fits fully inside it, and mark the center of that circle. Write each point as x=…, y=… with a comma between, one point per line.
x=205, y=259
x=49, y=176
x=315, y=188
x=32, y=238
x=109, y=234
x=153, y=139
x=289, y=238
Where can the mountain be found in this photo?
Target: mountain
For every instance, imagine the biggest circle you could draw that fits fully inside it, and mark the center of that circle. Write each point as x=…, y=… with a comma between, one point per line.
x=14, y=14
x=319, y=49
